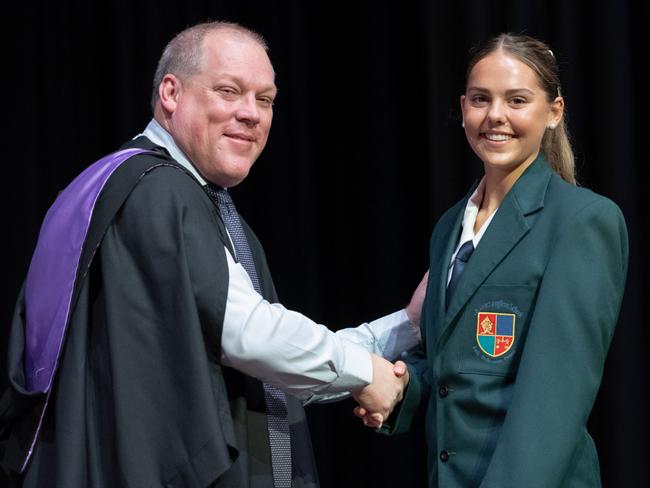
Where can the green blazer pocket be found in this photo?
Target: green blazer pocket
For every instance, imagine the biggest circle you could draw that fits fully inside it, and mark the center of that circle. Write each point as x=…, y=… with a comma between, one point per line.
x=492, y=329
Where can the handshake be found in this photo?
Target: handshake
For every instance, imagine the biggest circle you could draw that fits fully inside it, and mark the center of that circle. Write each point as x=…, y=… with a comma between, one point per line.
x=377, y=400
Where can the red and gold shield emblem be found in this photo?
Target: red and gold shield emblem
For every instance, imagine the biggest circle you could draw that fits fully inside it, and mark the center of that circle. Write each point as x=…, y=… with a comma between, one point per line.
x=495, y=332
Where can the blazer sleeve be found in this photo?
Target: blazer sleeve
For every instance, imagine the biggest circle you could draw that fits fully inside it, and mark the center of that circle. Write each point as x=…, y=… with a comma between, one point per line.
x=416, y=395
x=415, y=398
x=562, y=362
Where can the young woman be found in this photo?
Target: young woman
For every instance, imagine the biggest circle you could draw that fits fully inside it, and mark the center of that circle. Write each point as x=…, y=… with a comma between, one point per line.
x=525, y=283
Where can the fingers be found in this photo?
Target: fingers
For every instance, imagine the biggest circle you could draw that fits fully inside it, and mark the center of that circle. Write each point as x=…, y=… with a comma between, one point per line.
x=377, y=400
x=400, y=369
x=372, y=420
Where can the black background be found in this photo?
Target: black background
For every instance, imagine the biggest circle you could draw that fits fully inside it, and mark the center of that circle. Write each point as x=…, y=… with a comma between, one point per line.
x=365, y=153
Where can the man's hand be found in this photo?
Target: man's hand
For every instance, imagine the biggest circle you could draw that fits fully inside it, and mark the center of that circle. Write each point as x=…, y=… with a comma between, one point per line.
x=414, y=308
x=377, y=400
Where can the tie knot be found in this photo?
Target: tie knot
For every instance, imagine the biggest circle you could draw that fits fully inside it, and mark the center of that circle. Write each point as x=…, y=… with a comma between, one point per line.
x=218, y=194
x=465, y=251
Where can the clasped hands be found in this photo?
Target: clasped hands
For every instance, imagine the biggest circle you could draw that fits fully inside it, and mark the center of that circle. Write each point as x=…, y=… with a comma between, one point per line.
x=377, y=400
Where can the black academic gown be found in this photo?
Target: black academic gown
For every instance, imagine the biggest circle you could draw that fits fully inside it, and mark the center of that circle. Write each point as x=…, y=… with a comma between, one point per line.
x=140, y=398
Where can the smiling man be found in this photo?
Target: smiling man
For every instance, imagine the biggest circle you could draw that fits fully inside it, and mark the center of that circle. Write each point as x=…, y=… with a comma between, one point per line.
x=147, y=348
x=220, y=116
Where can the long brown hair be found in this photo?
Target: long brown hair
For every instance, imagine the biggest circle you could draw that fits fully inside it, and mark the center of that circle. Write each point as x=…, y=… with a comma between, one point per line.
x=537, y=55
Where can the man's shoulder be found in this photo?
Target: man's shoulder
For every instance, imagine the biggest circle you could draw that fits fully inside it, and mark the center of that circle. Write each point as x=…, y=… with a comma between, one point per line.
x=148, y=184
x=143, y=142
x=153, y=170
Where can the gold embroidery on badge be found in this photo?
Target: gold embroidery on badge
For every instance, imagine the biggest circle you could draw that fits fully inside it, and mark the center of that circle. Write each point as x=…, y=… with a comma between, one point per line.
x=487, y=325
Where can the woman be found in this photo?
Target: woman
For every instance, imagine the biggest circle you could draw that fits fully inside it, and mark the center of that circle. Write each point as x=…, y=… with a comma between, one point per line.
x=515, y=345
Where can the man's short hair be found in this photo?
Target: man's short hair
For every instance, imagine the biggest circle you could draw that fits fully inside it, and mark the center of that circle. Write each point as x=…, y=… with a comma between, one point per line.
x=182, y=55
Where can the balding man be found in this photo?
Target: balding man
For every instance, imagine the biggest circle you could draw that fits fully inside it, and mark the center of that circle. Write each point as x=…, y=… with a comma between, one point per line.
x=148, y=348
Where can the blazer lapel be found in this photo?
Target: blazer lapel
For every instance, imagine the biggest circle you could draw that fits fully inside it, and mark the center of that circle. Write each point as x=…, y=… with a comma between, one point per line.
x=445, y=249
x=507, y=228
x=442, y=248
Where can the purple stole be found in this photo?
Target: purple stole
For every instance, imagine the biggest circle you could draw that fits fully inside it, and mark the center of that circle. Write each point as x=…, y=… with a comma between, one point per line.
x=53, y=274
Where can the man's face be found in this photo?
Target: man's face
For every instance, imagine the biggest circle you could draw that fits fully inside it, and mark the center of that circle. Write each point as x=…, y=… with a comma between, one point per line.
x=220, y=117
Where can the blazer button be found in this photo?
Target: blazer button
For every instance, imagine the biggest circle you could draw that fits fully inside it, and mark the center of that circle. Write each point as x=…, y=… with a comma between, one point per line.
x=443, y=391
x=444, y=456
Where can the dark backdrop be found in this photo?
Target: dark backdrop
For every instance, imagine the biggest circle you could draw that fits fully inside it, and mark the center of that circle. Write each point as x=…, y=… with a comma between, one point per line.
x=365, y=153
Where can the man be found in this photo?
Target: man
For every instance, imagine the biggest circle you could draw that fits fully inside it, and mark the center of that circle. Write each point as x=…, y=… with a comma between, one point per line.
x=145, y=324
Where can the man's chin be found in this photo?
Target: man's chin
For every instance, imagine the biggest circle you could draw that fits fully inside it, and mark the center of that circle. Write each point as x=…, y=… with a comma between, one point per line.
x=228, y=180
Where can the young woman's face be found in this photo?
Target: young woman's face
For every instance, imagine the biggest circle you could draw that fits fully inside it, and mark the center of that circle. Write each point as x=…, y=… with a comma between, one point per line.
x=506, y=112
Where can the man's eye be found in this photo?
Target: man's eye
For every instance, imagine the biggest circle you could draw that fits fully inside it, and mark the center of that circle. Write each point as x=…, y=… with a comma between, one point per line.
x=227, y=90
x=265, y=101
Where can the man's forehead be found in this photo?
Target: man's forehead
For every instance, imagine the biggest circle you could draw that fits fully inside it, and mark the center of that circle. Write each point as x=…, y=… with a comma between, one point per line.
x=231, y=54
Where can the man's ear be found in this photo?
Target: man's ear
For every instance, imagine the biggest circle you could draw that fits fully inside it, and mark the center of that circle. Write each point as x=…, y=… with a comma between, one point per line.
x=169, y=90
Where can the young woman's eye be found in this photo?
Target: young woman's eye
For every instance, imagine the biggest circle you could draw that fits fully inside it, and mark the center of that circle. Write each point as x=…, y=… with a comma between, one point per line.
x=518, y=101
x=479, y=100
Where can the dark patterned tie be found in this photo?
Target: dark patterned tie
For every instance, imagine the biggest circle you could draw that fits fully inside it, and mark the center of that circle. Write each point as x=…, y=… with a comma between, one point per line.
x=460, y=260
x=275, y=399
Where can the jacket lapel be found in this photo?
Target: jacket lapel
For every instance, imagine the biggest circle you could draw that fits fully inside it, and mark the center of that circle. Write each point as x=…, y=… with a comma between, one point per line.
x=441, y=251
x=507, y=228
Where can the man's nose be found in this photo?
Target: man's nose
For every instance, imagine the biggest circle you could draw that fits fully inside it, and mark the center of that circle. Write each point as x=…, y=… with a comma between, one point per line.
x=248, y=111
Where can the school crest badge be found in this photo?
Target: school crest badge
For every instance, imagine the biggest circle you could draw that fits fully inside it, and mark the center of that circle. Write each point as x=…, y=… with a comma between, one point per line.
x=495, y=332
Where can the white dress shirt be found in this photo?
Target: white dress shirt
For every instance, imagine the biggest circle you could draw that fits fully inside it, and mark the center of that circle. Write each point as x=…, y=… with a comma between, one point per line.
x=287, y=349
x=469, y=220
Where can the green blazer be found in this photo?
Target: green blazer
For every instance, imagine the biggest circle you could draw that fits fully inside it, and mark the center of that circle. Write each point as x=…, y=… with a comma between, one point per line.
x=510, y=370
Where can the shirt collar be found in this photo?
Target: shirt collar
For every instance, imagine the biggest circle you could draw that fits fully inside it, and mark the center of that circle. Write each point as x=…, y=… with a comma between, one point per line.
x=159, y=136
x=471, y=211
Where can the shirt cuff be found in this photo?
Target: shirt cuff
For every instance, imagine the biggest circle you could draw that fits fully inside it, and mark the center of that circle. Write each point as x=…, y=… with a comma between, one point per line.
x=387, y=322
x=356, y=371
x=395, y=334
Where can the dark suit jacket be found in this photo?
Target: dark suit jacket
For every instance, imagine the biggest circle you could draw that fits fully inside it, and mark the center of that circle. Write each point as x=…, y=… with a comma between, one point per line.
x=551, y=268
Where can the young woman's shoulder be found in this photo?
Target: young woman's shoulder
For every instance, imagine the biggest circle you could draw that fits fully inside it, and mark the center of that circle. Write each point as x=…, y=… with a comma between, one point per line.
x=577, y=201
